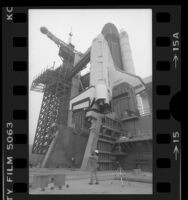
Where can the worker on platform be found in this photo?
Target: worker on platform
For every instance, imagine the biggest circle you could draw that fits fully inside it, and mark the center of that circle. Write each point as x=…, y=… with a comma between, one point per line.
x=94, y=167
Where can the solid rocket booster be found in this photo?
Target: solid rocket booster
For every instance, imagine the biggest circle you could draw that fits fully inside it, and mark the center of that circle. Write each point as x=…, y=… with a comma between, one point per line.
x=126, y=54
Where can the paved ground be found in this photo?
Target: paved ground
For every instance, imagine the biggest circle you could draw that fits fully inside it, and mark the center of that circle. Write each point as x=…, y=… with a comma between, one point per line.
x=104, y=187
x=138, y=183
x=145, y=177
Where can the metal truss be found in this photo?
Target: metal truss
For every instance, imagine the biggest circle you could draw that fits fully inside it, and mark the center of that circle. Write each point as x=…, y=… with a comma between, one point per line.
x=54, y=109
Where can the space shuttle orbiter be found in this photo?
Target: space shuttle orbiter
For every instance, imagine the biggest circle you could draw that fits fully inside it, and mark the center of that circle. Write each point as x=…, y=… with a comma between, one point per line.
x=111, y=64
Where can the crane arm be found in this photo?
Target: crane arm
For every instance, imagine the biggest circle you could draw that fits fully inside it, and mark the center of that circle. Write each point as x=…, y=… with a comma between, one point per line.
x=56, y=40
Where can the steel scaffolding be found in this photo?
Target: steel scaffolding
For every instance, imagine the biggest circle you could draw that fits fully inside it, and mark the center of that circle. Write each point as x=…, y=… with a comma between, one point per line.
x=54, y=108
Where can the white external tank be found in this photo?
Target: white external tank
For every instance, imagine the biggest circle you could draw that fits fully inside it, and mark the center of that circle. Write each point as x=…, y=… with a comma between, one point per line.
x=126, y=54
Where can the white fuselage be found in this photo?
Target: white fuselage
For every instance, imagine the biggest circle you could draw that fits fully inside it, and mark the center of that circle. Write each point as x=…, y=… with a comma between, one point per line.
x=104, y=75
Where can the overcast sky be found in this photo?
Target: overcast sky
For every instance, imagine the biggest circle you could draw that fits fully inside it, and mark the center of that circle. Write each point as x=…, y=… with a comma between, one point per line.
x=85, y=25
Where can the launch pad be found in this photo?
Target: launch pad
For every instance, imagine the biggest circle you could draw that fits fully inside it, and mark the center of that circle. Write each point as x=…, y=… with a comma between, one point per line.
x=109, y=108
x=76, y=182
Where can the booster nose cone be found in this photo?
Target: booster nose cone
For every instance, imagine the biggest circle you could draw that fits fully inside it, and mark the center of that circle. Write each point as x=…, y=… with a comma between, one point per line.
x=123, y=33
x=43, y=29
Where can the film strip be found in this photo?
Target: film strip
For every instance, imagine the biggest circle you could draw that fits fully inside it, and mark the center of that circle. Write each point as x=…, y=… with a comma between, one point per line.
x=166, y=21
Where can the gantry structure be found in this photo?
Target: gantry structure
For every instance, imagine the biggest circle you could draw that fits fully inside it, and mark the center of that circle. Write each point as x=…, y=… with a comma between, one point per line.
x=56, y=86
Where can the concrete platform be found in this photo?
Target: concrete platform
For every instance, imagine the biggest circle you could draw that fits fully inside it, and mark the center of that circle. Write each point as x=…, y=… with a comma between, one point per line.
x=138, y=183
x=104, y=187
x=76, y=174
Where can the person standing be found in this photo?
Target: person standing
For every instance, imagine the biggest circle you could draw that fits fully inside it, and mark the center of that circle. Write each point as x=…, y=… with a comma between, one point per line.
x=94, y=166
x=73, y=162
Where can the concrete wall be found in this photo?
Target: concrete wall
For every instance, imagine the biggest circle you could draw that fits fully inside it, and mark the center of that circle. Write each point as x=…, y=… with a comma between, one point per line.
x=79, y=143
x=69, y=144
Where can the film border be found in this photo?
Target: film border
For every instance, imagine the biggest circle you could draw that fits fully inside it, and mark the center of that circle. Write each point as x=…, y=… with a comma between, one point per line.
x=166, y=83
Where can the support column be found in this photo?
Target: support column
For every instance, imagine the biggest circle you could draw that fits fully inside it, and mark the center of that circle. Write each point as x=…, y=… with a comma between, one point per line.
x=93, y=138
